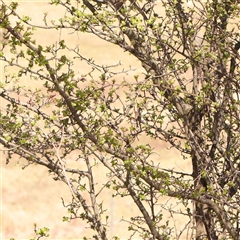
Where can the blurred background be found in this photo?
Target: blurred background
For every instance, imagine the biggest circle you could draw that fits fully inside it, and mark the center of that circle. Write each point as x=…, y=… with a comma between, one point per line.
x=31, y=195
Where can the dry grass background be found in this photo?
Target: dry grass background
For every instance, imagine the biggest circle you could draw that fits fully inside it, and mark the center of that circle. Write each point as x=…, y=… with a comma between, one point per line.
x=31, y=196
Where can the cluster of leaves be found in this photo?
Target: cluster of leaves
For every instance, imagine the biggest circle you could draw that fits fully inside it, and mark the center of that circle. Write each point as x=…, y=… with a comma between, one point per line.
x=40, y=232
